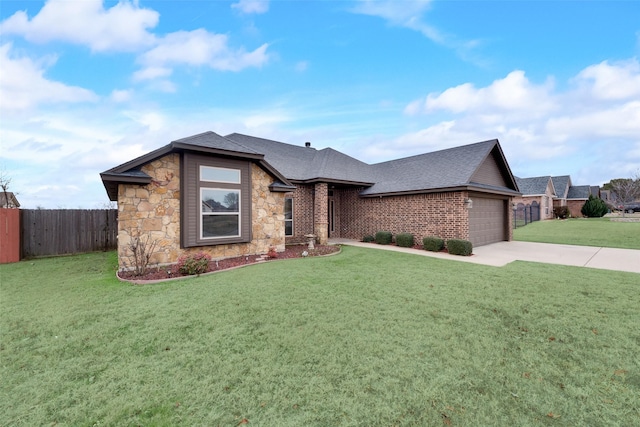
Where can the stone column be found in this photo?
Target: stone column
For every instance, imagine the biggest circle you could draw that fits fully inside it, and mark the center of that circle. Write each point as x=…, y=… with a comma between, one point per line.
x=321, y=212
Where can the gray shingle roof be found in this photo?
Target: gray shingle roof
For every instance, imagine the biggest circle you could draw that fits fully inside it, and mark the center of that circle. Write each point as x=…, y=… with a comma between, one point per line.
x=561, y=184
x=533, y=186
x=300, y=163
x=448, y=168
x=579, y=192
x=214, y=141
x=444, y=169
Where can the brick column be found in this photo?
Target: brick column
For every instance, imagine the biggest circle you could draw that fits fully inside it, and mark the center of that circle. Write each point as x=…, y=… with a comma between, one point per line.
x=320, y=212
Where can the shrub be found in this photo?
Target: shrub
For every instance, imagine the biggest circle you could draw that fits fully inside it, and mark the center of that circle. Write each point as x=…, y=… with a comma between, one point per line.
x=194, y=263
x=561, y=212
x=383, y=237
x=595, y=207
x=368, y=239
x=459, y=247
x=272, y=252
x=434, y=244
x=405, y=240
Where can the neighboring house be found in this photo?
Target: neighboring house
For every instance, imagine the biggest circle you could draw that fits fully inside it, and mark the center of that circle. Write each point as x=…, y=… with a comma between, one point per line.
x=572, y=196
x=8, y=200
x=537, y=192
x=239, y=195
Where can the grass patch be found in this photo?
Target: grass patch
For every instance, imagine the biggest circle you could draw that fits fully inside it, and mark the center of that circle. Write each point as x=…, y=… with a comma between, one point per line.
x=583, y=232
x=343, y=340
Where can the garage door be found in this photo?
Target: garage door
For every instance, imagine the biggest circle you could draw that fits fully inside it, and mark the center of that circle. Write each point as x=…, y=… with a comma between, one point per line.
x=487, y=221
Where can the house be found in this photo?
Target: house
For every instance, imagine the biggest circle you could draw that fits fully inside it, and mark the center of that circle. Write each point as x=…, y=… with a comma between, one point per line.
x=8, y=200
x=537, y=192
x=239, y=195
x=572, y=196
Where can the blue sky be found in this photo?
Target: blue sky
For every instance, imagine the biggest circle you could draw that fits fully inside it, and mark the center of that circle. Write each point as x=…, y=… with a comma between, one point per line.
x=86, y=85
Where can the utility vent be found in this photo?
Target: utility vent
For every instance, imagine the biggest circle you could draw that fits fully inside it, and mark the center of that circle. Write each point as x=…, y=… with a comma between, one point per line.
x=307, y=144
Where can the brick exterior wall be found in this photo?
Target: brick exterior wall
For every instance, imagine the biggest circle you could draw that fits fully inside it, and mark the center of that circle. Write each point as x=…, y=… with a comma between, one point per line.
x=320, y=212
x=575, y=207
x=436, y=214
x=302, y=213
x=153, y=212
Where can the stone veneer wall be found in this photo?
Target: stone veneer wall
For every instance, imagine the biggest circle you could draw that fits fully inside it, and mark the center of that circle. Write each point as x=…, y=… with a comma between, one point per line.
x=153, y=212
x=434, y=214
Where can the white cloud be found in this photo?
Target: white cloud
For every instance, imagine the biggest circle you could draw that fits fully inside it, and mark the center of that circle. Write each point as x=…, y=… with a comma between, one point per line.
x=607, y=81
x=514, y=93
x=399, y=13
x=152, y=73
x=252, y=6
x=540, y=126
x=123, y=27
x=120, y=95
x=197, y=48
x=410, y=15
x=23, y=85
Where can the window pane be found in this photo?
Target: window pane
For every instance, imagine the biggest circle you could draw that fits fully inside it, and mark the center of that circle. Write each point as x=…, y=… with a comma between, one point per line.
x=288, y=228
x=220, y=225
x=210, y=173
x=288, y=208
x=220, y=200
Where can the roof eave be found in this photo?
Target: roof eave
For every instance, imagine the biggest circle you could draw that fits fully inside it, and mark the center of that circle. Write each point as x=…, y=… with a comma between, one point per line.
x=467, y=187
x=112, y=180
x=177, y=145
x=334, y=181
x=279, y=187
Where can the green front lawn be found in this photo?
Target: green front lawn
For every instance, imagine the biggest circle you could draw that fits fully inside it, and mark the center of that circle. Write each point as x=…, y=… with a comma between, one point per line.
x=364, y=338
x=583, y=232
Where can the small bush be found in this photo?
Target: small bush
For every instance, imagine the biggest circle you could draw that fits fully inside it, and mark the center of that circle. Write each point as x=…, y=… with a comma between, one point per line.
x=383, y=237
x=595, y=207
x=368, y=239
x=194, y=263
x=404, y=240
x=434, y=244
x=561, y=212
x=272, y=252
x=459, y=247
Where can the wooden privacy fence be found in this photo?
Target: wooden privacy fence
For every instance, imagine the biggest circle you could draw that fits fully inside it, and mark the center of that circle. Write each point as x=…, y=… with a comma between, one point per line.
x=47, y=232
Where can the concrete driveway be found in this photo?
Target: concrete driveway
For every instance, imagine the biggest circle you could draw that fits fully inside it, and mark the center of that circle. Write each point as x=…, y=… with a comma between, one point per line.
x=502, y=253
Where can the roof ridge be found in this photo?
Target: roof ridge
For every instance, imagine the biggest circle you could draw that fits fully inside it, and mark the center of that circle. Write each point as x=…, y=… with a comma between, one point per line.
x=431, y=153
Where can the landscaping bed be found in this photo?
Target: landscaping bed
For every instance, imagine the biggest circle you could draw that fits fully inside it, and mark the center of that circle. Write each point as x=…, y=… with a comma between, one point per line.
x=172, y=272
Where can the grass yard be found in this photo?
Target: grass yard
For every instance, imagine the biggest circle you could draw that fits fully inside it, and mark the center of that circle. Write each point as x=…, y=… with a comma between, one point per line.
x=583, y=232
x=363, y=338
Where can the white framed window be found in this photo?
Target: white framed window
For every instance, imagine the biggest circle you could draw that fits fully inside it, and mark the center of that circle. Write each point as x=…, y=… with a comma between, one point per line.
x=218, y=174
x=288, y=217
x=215, y=201
x=220, y=213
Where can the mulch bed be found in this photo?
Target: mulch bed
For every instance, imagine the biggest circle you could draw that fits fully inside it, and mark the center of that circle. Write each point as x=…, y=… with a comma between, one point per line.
x=171, y=272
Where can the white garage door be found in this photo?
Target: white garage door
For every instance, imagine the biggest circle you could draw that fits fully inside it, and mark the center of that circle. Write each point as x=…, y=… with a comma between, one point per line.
x=488, y=221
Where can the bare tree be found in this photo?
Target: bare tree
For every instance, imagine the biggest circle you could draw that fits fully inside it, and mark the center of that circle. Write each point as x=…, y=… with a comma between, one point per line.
x=626, y=190
x=5, y=181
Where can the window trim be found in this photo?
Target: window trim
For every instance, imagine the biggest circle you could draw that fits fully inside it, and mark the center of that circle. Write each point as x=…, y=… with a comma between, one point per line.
x=200, y=174
x=203, y=214
x=191, y=204
x=289, y=220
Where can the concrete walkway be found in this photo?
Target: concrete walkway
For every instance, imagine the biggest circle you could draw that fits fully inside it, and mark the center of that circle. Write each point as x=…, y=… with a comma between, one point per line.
x=502, y=253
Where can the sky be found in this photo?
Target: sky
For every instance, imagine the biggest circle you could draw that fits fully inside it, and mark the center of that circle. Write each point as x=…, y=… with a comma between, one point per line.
x=86, y=85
